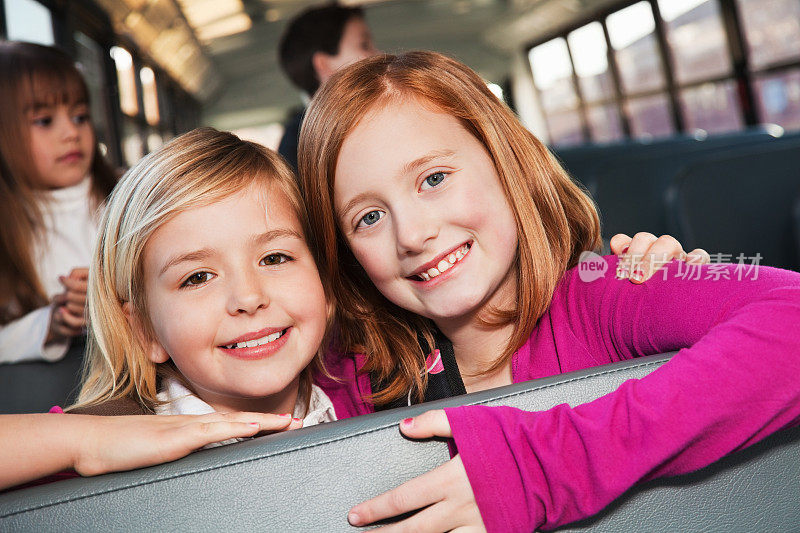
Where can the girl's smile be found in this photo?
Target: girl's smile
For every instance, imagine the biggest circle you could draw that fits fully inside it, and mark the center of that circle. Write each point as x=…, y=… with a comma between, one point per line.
x=420, y=203
x=221, y=284
x=257, y=345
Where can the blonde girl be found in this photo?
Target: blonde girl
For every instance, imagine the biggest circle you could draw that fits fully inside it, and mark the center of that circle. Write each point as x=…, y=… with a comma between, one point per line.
x=437, y=215
x=205, y=303
x=52, y=180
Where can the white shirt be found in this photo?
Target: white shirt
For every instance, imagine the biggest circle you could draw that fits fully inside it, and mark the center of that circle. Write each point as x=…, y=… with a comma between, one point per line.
x=70, y=229
x=181, y=401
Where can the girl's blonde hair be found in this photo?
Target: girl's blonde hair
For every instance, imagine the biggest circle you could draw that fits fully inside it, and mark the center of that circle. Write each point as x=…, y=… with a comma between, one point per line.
x=31, y=75
x=556, y=219
x=193, y=170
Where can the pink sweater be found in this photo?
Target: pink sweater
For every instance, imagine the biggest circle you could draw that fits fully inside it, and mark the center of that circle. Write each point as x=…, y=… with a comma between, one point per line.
x=738, y=383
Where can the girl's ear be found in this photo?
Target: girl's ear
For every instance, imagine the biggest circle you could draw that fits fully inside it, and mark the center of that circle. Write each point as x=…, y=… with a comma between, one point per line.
x=322, y=66
x=155, y=352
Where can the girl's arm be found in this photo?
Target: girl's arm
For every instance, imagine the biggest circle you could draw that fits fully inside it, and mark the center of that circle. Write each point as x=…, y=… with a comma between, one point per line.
x=25, y=339
x=733, y=387
x=37, y=445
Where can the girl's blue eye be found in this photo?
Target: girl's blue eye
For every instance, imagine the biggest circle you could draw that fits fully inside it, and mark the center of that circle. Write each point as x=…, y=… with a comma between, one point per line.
x=274, y=259
x=198, y=278
x=433, y=180
x=371, y=218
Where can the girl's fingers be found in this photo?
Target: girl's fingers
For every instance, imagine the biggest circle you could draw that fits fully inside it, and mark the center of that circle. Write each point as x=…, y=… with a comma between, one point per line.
x=410, y=496
x=619, y=244
x=76, y=298
x=75, y=285
x=426, y=425
x=661, y=251
x=698, y=256
x=81, y=273
x=266, y=421
x=70, y=320
x=636, y=253
x=75, y=309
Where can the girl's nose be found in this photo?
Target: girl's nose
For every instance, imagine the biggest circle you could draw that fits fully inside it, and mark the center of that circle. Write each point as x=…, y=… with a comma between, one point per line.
x=413, y=229
x=67, y=128
x=247, y=294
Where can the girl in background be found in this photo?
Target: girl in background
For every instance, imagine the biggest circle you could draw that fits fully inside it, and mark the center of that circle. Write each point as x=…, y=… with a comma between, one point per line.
x=438, y=216
x=52, y=181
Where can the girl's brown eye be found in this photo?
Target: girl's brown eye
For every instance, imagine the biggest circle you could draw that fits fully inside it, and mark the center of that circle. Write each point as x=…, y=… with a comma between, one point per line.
x=274, y=259
x=198, y=278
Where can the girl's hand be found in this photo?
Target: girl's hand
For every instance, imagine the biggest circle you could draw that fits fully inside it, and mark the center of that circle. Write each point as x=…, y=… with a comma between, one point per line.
x=645, y=254
x=444, y=492
x=68, y=316
x=113, y=443
x=37, y=445
x=74, y=296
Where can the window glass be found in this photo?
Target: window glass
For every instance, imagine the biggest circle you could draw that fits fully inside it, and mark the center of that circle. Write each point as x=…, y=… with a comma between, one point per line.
x=149, y=96
x=28, y=20
x=590, y=55
x=132, y=145
x=713, y=107
x=565, y=128
x=90, y=63
x=631, y=31
x=126, y=78
x=778, y=98
x=772, y=30
x=649, y=116
x=696, y=39
x=604, y=123
x=552, y=75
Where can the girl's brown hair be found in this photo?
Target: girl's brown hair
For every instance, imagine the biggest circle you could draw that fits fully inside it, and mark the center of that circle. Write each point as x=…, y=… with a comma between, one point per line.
x=193, y=170
x=31, y=75
x=556, y=220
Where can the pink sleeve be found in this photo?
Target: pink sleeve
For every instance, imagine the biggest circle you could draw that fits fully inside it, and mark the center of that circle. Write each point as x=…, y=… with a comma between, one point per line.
x=733, y=387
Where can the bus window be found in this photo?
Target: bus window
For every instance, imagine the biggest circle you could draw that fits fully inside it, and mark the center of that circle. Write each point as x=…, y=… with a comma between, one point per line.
x=632, y=34
x=771, y=30
x=649, y=116
x=28, y=20
x=778, y=98
x=590, y=57
x=696, y=39
x=552, y=76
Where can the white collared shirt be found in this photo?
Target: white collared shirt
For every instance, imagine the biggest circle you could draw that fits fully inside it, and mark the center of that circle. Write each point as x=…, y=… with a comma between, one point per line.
x=181, y=401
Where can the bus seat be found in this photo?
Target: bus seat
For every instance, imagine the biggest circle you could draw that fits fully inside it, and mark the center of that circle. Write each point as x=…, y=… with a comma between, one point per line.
x=35, y=387
x=740, y=202
x=306, y=480
x=630, y=189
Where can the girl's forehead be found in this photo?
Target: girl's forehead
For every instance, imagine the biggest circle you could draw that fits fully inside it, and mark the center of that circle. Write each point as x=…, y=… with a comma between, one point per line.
x=52, y=89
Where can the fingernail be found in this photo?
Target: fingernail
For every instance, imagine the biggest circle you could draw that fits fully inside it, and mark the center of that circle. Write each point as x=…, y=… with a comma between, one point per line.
x=408, y=422
x=297, y=419
x=354, y=519
x=638, y=275
x=625, y=250
x=285, y=415
x=254, y=424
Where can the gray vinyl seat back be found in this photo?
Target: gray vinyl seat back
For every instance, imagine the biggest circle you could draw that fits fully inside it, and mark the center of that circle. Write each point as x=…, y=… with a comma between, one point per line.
x=308, y=479
x=740, y=202
x=36, y=386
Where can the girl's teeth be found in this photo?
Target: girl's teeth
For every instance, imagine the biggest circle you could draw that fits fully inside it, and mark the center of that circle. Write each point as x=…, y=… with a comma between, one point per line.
x=445, y=264
x=256, y=342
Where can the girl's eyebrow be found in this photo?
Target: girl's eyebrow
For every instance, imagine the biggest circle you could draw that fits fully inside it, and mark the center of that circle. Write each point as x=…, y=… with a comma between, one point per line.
x=405, y=169
x=204, y=253
x=425, y=159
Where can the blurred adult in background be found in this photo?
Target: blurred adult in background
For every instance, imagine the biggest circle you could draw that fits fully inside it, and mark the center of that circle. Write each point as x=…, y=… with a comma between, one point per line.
x=317, y=43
